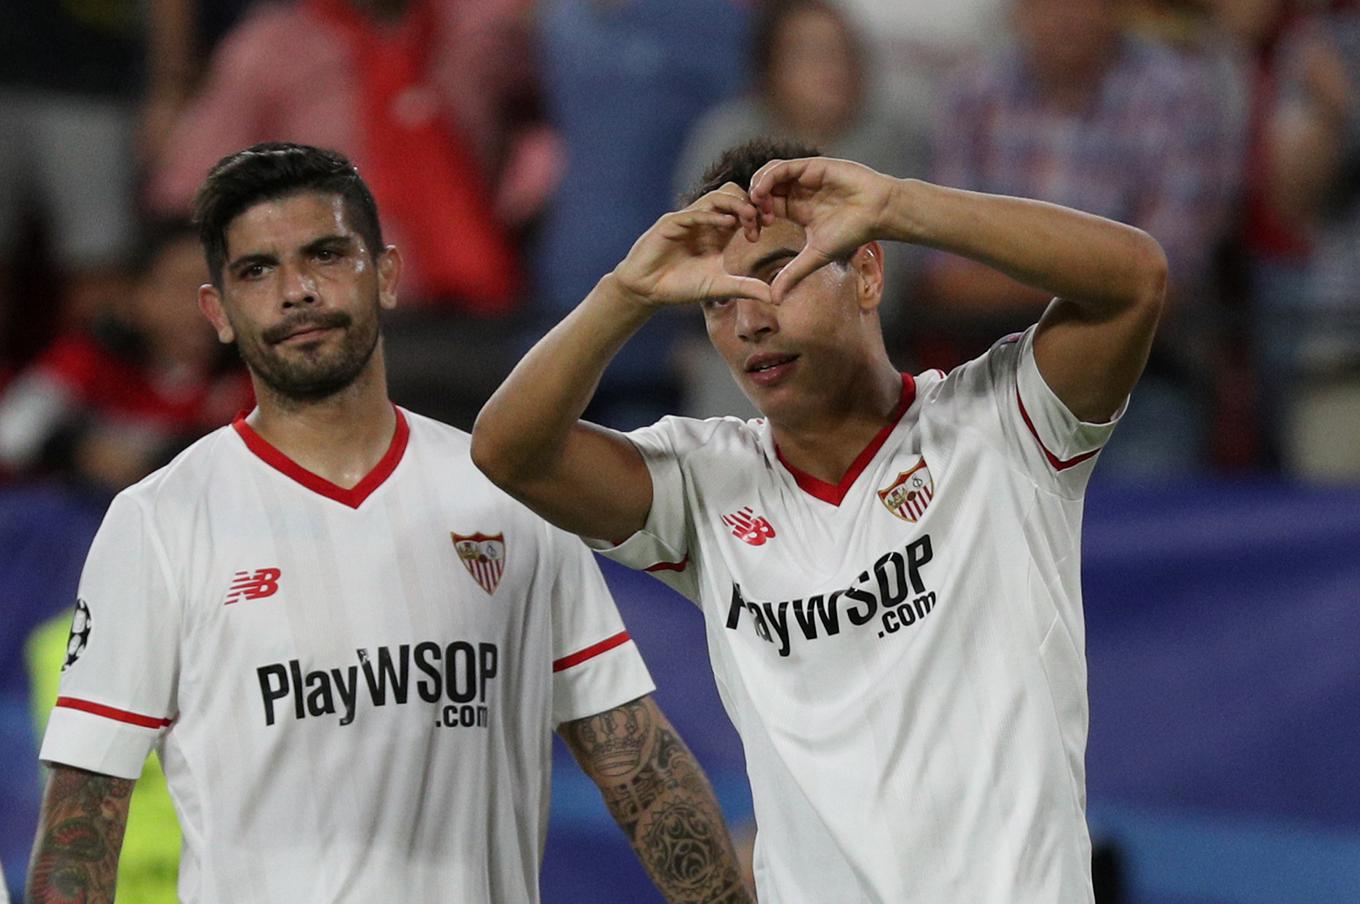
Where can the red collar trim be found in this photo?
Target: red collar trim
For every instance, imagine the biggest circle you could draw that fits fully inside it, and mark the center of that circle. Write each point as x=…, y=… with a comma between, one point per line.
x=835, y=492
x=352, y=497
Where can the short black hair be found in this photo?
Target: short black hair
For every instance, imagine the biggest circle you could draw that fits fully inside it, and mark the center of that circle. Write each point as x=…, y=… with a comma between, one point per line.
x=740, y=162
x=272, y=170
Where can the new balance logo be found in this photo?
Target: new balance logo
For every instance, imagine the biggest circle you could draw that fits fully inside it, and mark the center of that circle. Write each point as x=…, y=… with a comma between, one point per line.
x=252, y=585
x=748, y=527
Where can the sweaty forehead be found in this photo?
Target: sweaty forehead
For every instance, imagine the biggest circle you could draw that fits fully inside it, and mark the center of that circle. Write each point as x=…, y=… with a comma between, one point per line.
x=743, y=258
x=289, y=221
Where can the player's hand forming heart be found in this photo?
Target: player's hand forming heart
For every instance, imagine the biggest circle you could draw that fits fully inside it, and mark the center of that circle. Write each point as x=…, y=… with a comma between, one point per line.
x=839, y=203
x=680, y=259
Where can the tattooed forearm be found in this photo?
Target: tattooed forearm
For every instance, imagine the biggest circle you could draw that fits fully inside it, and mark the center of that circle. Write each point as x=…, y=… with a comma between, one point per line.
x=75, y=857
x=662, y=800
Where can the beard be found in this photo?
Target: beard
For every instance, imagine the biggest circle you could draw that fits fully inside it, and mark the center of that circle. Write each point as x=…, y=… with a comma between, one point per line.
x=316, y=373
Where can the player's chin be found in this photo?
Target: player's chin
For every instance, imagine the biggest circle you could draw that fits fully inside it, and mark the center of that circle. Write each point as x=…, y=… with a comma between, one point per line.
x=775, y=402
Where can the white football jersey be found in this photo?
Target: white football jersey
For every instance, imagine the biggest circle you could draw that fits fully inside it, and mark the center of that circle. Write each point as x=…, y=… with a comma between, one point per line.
x=902, y=653
x=352, y=691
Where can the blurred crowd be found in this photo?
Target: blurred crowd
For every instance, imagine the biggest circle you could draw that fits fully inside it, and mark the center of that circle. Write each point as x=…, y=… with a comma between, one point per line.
x=518, y=147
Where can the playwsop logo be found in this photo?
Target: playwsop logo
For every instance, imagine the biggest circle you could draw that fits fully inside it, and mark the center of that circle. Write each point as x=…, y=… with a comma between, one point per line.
x=80, y=634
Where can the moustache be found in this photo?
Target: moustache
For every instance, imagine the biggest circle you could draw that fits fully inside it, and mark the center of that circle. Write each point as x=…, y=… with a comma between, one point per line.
x=329, y=320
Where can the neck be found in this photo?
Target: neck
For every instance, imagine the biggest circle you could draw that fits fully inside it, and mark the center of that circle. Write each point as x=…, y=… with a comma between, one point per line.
x=824, y=440
x=809, y=125
x=341, y=437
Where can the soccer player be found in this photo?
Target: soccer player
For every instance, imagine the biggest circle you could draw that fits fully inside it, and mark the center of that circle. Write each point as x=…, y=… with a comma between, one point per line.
x=349, y=648
x=887, y=564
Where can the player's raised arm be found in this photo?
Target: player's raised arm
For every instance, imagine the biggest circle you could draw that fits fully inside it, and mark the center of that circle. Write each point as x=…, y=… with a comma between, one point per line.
x=80, y=835
x=661, y=799
x=1108, y=280
x=529, y=438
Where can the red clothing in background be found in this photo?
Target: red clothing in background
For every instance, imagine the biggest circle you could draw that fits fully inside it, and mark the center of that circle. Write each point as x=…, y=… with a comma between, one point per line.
x=436, y=112
x=85, y=378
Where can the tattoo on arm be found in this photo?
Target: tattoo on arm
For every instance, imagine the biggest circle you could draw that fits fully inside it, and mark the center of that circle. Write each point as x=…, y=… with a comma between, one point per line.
x=75, y=857
x=662, y=800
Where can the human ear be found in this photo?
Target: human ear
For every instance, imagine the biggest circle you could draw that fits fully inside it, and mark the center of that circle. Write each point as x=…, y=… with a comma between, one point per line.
x=210, y=303
x=389, y=275
x=867, y=264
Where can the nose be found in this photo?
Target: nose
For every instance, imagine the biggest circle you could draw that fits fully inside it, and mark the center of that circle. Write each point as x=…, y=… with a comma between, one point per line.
x=755, y=319
x=298, y=286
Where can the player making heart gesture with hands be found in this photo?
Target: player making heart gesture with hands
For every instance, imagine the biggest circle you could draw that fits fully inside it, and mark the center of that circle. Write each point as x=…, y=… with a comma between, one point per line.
x=887, y=563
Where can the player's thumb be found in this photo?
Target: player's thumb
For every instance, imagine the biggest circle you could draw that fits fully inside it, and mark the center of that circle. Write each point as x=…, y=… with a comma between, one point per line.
x=729, y=286
x=803, y=265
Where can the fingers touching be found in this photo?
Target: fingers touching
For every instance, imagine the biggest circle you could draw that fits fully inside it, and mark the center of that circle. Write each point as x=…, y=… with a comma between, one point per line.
x=731, y=199
x=772, y=189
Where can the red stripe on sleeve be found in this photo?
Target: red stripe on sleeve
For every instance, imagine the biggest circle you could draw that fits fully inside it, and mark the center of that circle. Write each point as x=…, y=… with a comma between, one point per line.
x=109, y=712
x=1057, y=463
x=590, y=652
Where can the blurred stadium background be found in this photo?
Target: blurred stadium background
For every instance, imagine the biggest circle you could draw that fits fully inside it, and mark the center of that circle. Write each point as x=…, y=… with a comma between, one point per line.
x=518, y=147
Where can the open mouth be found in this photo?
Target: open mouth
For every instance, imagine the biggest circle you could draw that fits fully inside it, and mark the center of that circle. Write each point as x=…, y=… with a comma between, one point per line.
x=766, y=363
x=770, y=369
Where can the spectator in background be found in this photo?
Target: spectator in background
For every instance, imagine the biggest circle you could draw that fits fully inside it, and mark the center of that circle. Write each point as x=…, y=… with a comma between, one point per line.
x=808, y=86
x=99, y=409
x=914, y=46
x=107, y=405
x=626, y=80
x=72, y=76
x=1314, y=171
x=1231, y=40
x=436, y=101
x=1083, y=115
x=1262, y=269
x=1197, y=30
x=434, y=98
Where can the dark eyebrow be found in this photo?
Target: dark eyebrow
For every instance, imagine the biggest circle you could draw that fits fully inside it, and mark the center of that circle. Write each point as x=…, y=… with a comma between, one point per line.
x=771, y=257
x=250, y=260
x=327, y=242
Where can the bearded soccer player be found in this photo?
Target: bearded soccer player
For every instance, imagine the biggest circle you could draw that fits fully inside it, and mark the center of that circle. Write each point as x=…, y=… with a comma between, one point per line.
x=349, y=648
x=887, y=564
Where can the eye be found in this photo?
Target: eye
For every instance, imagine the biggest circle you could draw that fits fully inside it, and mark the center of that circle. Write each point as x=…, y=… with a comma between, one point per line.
x=715, y=304
x=327, y=255
x=253, y=271
x=769, y=275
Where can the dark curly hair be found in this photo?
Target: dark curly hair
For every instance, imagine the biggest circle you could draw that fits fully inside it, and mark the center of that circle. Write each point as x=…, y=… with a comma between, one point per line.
x=739, y=163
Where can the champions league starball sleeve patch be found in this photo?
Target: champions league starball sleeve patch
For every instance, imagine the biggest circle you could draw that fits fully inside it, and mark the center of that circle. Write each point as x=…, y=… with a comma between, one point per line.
x=80, y=634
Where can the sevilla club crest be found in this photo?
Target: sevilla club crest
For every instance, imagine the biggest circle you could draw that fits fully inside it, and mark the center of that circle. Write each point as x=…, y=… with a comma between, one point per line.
x=483, y=556
x=908, y=495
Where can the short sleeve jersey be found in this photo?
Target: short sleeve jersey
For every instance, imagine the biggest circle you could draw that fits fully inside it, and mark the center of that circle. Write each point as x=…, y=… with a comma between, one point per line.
x=902, y=653
x=352, y=690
